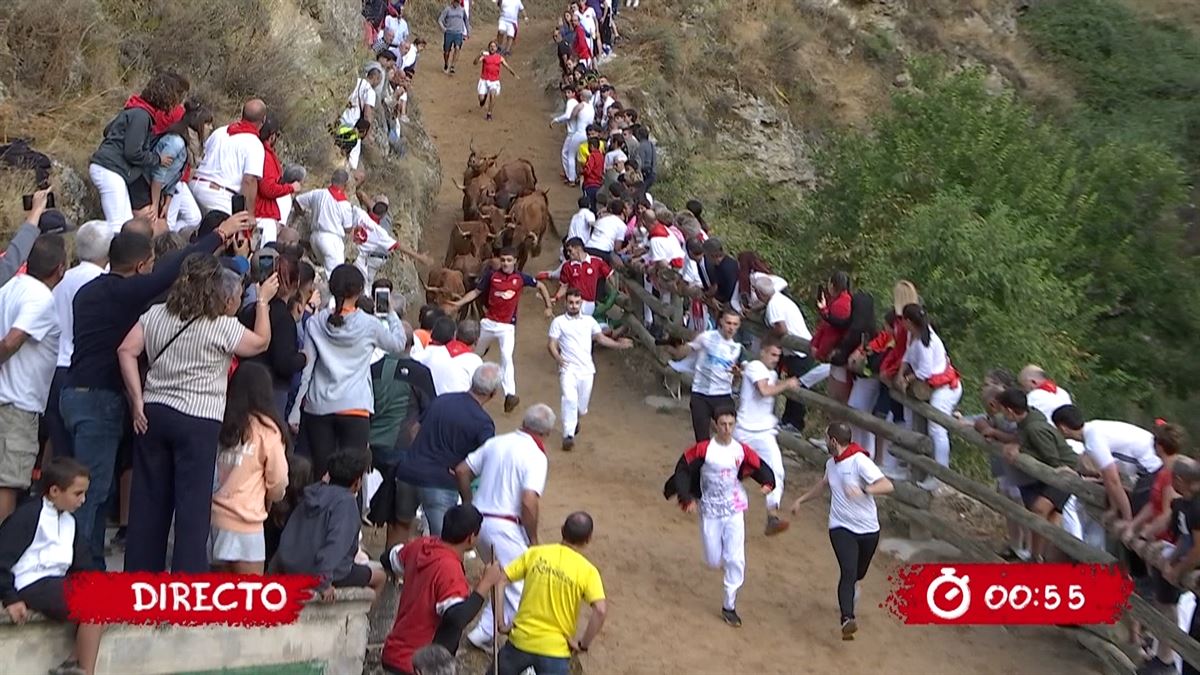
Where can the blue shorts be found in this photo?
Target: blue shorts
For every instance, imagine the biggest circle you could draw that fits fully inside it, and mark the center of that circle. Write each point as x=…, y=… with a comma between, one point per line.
x=450, y=40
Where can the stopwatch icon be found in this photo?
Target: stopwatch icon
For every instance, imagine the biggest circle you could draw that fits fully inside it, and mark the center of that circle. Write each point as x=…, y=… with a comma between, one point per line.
x=960, y=592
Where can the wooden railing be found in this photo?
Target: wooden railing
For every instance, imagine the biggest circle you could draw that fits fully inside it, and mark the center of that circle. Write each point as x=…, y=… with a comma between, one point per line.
x=911, y=503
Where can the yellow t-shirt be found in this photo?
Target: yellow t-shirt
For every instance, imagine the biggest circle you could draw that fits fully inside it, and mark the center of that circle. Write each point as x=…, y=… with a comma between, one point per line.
x=582, y=155
x=556, y=579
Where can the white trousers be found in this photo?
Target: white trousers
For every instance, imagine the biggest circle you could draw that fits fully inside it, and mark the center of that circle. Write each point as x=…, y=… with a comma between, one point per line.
x=210, y=198
x=765, y=444
x=506, y=334
x=944, y=399
x=863, y=393
x=183, y=210
x=330, y=249
x=114, y=196
x=507, y=539
x=269, y=227
x=570, y=151
x=724, y=542
x=355, y=155
x=815, y=376
x=576, y=394
x=369, y=265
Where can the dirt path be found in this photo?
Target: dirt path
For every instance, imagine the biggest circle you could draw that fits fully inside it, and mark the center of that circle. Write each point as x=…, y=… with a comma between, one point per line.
x=664, y=615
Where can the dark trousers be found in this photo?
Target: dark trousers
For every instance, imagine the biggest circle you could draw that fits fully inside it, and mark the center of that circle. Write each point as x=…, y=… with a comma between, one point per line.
x=95, y=418
x=854, y=553
x=794, y=365
x=590, y=192
x=46, y=596
x=702, y=408
x=514, y=661
x=327, y=434
x=60, y=439
x=173, y=472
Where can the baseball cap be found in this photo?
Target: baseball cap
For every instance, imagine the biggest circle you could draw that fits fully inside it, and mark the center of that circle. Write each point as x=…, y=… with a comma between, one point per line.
x=54, y=222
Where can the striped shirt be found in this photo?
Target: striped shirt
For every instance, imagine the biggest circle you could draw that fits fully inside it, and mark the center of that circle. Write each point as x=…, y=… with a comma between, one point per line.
x=192, y=374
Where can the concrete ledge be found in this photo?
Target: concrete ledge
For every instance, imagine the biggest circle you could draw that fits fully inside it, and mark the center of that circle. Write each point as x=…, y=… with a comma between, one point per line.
x=328, y=638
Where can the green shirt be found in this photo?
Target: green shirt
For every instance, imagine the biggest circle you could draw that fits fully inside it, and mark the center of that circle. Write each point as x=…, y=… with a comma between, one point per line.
x=1043, y=441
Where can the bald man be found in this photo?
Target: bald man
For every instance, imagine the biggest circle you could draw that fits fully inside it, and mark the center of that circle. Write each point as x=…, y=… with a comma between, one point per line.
x=141, y=225
x=233, y=162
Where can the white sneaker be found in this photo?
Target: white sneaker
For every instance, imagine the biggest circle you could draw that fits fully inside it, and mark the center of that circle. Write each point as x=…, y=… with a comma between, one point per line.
x=930, y=484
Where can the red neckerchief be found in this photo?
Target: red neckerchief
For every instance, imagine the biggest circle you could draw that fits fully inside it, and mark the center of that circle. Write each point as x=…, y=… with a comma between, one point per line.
x=374, y=217
x=338, y=193
x=160, y=120
x=850, y=451
x=538, y=441
x=658, y=230
x=242, y=127
x=1049, y=386
x=457, y=348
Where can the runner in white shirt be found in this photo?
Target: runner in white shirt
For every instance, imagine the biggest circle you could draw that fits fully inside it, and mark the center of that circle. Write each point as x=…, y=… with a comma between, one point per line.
x=581, y=225
x=853, y=481
x=232, y=163
x=331, y=217
x=711, y=473
x=360, y=105
x=506, y=29
x=375, y=241
x=571, y=338
x=512, y=477
x=581, y=117
x=756, y=423
x=717, y=358
x=1118, y=450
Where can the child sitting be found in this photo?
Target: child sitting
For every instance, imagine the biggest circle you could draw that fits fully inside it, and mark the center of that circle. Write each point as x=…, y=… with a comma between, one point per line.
x=321, y=536
x=299, y=478
x=39, y=546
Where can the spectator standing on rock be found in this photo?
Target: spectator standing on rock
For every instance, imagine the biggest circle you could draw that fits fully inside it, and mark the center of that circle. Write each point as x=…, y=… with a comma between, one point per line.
x=360, y=106
x=271, y=187
x=233, y=162
x=331, y=217
x=456, y=27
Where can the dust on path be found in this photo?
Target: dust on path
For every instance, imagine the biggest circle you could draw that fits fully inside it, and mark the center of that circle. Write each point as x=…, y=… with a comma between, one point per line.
x=664, y=604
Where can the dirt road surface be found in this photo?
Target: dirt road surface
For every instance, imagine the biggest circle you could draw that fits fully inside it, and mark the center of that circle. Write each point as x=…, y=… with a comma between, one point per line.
x=664, y=605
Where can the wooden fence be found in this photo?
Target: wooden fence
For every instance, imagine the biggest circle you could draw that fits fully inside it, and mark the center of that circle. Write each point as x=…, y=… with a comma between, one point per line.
x=910, y=503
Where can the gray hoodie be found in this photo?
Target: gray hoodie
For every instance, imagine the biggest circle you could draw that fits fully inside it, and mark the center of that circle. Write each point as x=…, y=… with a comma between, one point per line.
x=321, y=535
x=337, y=375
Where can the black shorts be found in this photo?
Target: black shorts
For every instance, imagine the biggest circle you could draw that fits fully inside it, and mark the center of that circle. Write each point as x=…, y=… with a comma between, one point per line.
x=46, y=596
x=1164, y=592
x=394, y=502
x=1031, y=492
x=1140, y=495
x=359, y=577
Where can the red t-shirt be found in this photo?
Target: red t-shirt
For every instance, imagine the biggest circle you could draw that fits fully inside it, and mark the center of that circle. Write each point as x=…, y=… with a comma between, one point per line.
x=434, y=581
x=584, y=275
x=491, y=67
x=593, y=170
x=1162, y=479
x=503, y=293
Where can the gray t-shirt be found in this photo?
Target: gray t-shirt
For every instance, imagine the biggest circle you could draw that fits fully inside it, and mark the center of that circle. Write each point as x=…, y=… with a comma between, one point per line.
x=453, y=19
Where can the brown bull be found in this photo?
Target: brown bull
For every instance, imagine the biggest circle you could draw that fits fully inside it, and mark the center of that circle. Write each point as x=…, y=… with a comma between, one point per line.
x=444, y=287
x=514, y=179
x=494, y=216
x=470, y=237
x=531, y=220
x=477, y=192
x=480, y=165
x=469, y=265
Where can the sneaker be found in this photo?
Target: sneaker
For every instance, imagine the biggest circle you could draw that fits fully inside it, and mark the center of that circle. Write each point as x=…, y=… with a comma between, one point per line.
x=445, y=69
x=489, y=117
x=1156, y=666
x=731, y=617
x=568, y=444
x=776, y=525
x=849, y=628
x=451, y=70
x=486, y=648
x=404, y=118
x=512, y=400
x=578, y=428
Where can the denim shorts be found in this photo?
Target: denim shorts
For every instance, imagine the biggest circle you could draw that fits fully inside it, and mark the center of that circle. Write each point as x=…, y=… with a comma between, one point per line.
x=451, y=40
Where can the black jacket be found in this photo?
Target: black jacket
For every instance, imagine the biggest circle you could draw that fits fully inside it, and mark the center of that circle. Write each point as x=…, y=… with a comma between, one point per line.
x=685, y=482
x=860, y=329
x=16, y=535
x=128, y=146
x=283, y=356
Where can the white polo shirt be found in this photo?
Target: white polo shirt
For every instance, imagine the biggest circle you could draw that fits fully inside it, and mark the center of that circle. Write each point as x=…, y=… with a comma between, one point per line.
x=755, y=411
x=926, y=361
x=1132, y=447
x=606, y=232
x=328, y=214
x=1045, y=402
x=581, y=225
x=362, y=96
x=510, y=10
x=857, y=514
x=228, y=158
x=64, y=301
x=507, y=465
x=399, y=27
x=27, y=305
x=781, y=308
x=574, y=335
x=778, y=283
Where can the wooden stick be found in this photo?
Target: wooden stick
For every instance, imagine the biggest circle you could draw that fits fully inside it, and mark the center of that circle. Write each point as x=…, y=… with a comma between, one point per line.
x=496, y=616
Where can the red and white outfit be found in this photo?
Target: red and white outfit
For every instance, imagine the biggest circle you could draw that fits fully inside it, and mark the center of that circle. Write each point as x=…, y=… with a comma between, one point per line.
x=585, y=276
x=230, y=153
x=502, y=294
x=931, y=364
x=375, y=244
x=330, y=217
x=663, y=248
x=712, y=473
x=434, y=582
x=757, y=425
x=271, y=190
x=507, y=465
x=489, y=75
x=574, y=335
x=451, y=365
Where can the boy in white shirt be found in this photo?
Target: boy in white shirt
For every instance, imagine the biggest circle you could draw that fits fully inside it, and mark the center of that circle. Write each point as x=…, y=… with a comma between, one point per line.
x=757, y=424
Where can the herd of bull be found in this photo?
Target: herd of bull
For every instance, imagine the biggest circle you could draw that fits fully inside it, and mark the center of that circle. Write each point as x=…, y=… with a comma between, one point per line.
x=502, y=207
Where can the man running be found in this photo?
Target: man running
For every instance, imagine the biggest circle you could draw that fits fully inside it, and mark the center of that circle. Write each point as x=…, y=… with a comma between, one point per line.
x=489, y=76
x=571, y=338
x=456, y=27
x=853, y=481
x=717, y=356
x=585, y=273
x=757, y=424
x=503, y=293
x=711, y=472
x=506, y=29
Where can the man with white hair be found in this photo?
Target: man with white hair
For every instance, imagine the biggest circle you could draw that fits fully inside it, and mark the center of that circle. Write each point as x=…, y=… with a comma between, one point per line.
x=331, y=216
x=91, y=249
x=784, y=318
x=512, y=476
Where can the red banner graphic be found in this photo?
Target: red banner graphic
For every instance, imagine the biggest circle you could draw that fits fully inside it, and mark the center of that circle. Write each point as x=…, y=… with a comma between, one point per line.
x=187, y=599
x=1048, y=594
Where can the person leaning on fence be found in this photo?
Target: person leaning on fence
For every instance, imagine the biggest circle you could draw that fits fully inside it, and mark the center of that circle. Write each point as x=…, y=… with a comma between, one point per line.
x=926, y=360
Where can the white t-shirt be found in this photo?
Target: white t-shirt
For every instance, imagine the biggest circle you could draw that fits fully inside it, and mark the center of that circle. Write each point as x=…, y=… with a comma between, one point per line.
x=581, y=225
x=715, y=359
x=606, y=232
x=326, y=213
x=462, y=369
x=781, y=308
x=691, y=272
x=410, y=57
x=926, y=361
x=228, y=158
x=856, y=514
x=755, y=411
x=664, y=249
x=399, y=28
x=574, y=335
x=379, y=241
x=64, y=300
x=612, y=157
x=1046, y=402
x=437, y=359
x=507, y=465
x=27, y=305
x=587, y=18
x=510, y=10
x=721, y=491
x=778, y=283
x=363, y=95
x=1108, y=441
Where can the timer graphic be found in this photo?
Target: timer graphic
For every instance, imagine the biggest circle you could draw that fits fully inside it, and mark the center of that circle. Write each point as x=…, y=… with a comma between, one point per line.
x=1020, y=596
x=959, y=591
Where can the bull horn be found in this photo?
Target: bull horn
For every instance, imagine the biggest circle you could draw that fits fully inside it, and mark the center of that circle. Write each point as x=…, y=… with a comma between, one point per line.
x=433, y=289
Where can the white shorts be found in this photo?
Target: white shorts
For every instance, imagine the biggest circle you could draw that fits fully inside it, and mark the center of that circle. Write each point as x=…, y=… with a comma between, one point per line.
x=486, y=87
x=506, y=27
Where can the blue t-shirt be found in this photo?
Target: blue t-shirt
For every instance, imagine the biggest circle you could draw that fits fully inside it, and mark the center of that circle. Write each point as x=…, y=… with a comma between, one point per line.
x=452, y=428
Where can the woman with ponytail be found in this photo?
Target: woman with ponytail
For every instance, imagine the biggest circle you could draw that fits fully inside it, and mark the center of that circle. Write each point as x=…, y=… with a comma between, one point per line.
x=926, y=361
x=335, y=388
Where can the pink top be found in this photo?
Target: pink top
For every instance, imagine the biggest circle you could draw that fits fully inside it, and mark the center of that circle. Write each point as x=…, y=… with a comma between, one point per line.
x=250, y=476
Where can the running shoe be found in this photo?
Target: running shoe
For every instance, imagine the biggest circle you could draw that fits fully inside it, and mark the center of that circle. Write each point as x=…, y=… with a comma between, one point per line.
x=489, y=117
x=849, y=628
x=776, y=525
x=568, y=444
x=731, y=617
x=512, y=400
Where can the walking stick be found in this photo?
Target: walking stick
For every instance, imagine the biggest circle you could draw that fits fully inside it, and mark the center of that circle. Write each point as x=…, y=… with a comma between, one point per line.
x=495, y=623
